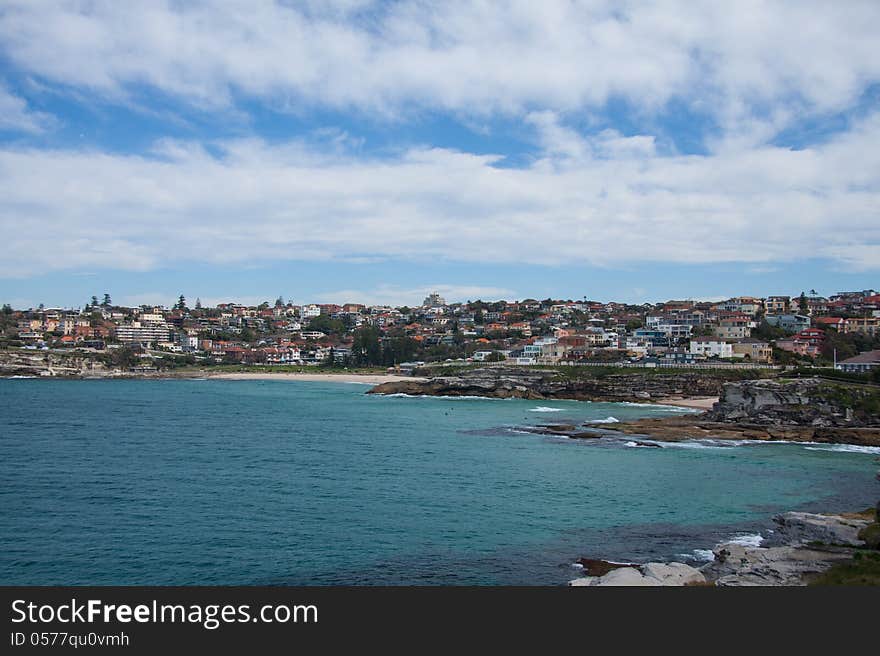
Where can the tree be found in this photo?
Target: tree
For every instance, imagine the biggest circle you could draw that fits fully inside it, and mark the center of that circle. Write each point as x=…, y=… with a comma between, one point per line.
x=7, y=309
x=496, y=356
x=279, y=302
x=181, y=303
x=94, y=301
x=803, y=306
x=107, y=302
x=326, y=325
x=633, y=324
x=365, y=349
x=198, y=304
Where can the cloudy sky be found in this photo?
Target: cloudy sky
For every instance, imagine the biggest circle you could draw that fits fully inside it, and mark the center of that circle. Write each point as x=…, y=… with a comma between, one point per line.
x=355, y=150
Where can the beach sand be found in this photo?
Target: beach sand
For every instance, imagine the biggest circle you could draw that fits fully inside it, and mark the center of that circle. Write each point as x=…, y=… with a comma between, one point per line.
x=697, y=403
x=368, y=379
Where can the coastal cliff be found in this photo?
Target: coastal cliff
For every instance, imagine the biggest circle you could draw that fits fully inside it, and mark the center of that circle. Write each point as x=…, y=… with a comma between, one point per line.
x=580, y=383
x=46, y=364
x=809, y=410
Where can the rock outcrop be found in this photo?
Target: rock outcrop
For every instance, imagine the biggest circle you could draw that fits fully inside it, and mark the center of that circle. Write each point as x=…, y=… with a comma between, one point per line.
x=798, y=528
x=809, y=410
x=650, y=574
x=807, y=402
x=49, y=364
x=805, y=545
x=537, y=383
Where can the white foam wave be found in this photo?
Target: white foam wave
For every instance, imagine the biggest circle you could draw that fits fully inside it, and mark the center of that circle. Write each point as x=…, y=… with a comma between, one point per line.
x=661, y=406
x=401, y=395
x=20, y=377
x=607, y=420
x=747, y=540
x=845, y=448
x=542, y=408
x=702, y=555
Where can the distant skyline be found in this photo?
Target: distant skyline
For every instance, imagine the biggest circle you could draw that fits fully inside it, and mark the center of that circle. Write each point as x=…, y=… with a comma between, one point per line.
x=359, y=151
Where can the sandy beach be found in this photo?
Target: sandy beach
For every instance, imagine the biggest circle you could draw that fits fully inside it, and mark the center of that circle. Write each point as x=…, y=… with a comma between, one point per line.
x=697, y=403
x=368, y=379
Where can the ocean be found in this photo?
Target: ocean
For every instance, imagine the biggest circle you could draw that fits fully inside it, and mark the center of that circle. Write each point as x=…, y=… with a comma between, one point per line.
x=203, y=482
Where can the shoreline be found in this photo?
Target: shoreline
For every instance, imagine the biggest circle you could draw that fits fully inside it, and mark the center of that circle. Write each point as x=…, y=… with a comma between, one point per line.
x=367, y=379
x=803, y=548
x=695, y=403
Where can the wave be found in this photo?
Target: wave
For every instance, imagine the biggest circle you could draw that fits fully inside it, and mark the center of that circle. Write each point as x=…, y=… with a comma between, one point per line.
x=401, y=395
x=702, y=555
x=542, y=408
x=845, y=448
x=19, y=377
x=607, y=420
x=747, y=539
x=662, y=406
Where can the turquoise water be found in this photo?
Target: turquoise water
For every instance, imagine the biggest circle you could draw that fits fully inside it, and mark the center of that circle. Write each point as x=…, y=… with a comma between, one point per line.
x=281, y=482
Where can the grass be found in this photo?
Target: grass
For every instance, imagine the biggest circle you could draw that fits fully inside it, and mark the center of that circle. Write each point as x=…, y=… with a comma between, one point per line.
x=863, y=569
x=865, y=399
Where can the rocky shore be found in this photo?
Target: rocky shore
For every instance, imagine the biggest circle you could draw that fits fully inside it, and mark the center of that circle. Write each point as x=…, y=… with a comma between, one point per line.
x=803, y=547
x=579, y=383
x=53, y=365
x=808, y=410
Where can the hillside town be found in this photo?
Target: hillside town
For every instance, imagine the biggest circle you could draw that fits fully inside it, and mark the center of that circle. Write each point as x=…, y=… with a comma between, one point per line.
x=842, y=330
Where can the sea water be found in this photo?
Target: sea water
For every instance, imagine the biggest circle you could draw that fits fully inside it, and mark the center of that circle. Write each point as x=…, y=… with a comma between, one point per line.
x=184, y=482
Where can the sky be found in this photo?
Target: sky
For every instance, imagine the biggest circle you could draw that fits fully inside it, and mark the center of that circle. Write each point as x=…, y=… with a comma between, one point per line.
x=366, y=151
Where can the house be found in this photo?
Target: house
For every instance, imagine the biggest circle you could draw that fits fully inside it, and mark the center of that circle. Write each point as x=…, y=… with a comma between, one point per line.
x=735, y=327
x=790, y=323
x=808, y=342
x=867, y=325
x=711, y=347
x=860, y=364
x=752, y=349
x=837, y=323
x=777, y=304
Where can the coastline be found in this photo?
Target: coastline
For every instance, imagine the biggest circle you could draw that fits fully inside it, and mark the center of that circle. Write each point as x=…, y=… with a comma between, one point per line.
x=367, y=379
x=695, y=403
x=803, y=548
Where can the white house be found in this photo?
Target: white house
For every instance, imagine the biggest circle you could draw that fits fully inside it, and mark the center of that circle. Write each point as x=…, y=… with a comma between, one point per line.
x=711, y=347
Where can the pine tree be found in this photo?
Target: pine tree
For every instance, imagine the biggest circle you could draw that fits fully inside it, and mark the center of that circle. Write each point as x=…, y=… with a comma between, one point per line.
x=198, y=304
x=107, y=302
x=181, y=303
x=94, y=301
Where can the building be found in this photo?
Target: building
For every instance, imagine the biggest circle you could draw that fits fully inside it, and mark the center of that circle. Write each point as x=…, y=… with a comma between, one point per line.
x=777, y=304
x=711, y=347
x=136, y=333
x=867, y=325
x=753, y=350
x=808, y=342
x=735, y=327
x=862, y=363
x=434, y=300
x=790, y=323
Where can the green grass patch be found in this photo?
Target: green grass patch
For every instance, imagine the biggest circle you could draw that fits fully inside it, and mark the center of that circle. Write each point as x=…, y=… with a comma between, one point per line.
x=863, y=569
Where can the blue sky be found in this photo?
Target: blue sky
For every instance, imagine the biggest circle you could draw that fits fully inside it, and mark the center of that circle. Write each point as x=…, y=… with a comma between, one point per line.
x=374, y=151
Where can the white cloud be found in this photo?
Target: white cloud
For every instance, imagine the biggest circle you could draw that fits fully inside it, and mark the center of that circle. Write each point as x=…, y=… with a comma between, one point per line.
x=398, y=296
x=67, y=210
x=753, y=65
x=16, y=116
